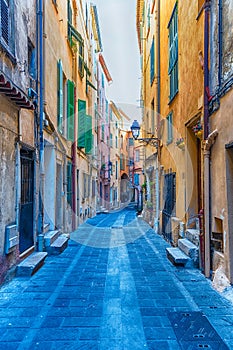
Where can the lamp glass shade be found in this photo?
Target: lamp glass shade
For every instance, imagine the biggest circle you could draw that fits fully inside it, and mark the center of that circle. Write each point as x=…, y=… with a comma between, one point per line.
x=135, y=128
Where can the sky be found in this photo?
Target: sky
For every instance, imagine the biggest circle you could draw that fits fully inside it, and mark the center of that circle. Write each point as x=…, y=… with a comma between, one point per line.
x=117, y=19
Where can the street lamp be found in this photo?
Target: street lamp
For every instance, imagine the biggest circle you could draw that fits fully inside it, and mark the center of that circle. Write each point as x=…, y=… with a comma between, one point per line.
x=135, y=128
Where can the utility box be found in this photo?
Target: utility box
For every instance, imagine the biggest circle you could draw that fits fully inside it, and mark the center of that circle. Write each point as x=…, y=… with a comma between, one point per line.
x=11, y=237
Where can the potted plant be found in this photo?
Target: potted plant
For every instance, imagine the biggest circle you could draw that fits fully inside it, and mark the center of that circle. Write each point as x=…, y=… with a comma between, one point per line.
x=180, y=143
x=197, y=129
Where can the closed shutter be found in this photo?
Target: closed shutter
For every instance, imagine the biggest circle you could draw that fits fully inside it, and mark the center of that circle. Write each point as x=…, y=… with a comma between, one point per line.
x=81, y=123
x=88, y=134
x=70, y=110
x=59, y=97
x=5, y=29
x=152, y=62
x=69, y=183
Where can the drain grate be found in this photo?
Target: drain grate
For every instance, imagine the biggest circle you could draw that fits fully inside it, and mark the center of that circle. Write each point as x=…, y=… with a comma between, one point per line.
x=193, y=331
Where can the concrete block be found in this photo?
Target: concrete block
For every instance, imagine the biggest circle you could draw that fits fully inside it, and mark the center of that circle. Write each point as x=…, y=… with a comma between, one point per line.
x=176, y=256
x=193, y=236
x=189, y=249
x=31, y=264
x=50, y=237
x=58, y=246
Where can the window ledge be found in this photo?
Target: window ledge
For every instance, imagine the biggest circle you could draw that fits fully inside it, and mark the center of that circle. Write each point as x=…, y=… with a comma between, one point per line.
x=173, y=97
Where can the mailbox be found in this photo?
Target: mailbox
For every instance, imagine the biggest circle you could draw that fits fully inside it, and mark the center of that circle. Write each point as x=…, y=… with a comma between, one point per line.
x=11, y=237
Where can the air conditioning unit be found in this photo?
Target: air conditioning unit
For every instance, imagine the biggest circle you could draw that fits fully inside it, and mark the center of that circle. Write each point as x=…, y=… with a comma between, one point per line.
x=11, y=237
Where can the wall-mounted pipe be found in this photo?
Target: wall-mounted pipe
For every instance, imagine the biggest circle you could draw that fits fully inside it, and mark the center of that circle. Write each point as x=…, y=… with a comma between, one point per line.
x=220, y=49
x=41, y=112
x=206, y=68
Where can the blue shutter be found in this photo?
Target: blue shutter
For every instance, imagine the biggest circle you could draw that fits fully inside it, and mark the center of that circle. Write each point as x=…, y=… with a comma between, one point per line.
x=81, y=123
x=70, y=110
x=136, y=179
x=59, y=97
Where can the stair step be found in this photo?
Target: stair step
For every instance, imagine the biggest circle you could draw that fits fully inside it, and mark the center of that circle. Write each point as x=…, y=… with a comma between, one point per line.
x=50, y=237
x=193, y=236
x=177, y=257
x=31, y=264
x=58, y=246
x=189, y=249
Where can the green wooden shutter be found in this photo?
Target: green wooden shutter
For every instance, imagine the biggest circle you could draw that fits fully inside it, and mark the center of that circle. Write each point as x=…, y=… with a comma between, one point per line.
x=70, y=110
x=59, y=97
x=81, y=123
x=88, y=135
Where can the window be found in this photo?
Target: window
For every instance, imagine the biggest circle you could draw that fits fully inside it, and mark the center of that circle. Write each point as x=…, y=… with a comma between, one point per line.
x=93, y=188
x=152, y=62
x=6, y=32
x=136, y=179
x=31, y=60
x=102, y=136
x=81, y=60
x=116, y=142
x=111, y=143
x=116, y=169
x=131, y=142
x=69, y=183
x=152, y=117
x=70, y=110
x=169, y=128
x=59, y=97
x=173, y=53
x=81, y=123
x=121, y=162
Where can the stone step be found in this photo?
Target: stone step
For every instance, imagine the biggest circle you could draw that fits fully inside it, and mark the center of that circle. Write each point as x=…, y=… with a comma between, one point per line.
x=50, y=237
x=31, y=264
x=193, y=236
x=189, y=249
x=177, y=257
x=58, y=246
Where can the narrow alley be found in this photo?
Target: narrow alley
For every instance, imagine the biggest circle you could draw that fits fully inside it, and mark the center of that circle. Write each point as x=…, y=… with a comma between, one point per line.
x=113, y=288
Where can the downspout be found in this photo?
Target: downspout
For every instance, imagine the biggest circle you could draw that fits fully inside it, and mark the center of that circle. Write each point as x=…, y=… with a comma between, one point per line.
x=41, y=136
x=220, y=30
x=74, y=166
x=156, y=223
x=207, y=146
x=206, y=69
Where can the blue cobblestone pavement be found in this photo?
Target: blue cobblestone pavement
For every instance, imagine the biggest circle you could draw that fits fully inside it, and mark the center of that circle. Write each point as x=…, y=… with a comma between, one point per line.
x=114, y=289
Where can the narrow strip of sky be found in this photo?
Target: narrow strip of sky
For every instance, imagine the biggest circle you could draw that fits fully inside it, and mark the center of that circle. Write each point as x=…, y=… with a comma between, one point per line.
x=120, y=48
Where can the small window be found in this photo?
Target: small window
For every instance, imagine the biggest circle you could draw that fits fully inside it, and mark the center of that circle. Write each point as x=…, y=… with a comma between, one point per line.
x=31, y=60
x=173, y=53
x=131, y=142
x=169, y=129
x=81, y=60
x=6, y=30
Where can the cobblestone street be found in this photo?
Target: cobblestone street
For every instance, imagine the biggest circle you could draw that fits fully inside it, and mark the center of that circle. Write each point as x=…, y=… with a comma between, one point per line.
x=113, y=288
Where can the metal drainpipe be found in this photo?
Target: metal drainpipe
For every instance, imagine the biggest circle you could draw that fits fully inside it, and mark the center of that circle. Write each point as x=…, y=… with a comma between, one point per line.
x=74, y=166
x=207, y=146
x=206, y=69
x=41, y=136
x=158, y=118
x=206, y=149
x=220, y=30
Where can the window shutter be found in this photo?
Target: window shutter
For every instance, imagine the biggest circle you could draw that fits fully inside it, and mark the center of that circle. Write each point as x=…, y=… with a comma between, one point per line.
x=88, y=134
x=152, y=62
x=69, y=183
x=59, y=97
x=70, y=110
x=5, y=21
x=81, y=123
